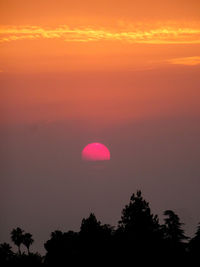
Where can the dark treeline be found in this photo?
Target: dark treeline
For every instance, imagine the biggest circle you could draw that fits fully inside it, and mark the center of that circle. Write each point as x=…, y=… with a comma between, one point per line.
x=139, y=238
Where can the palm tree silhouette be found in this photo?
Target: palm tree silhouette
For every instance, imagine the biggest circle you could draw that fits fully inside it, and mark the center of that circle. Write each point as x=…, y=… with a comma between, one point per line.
x=27, y=241
x=17, y=237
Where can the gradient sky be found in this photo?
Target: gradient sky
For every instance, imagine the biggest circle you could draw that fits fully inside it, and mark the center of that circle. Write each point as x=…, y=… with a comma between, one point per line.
x=124, y=73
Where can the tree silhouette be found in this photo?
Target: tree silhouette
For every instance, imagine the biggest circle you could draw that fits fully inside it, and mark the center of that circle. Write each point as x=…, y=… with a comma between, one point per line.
x=90, y=226
x=95, y=241
x=27, y=241
x=194, y=244
x=139, y=239
x=52, y=245
x=174, y=238
x=138, y=230
x=5, y=253
x=62, y=248
x=17, y=237
x=173, y=228
x=137, y=218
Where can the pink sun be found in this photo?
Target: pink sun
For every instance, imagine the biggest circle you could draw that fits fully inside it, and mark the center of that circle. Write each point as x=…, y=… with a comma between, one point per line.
x=95, y=152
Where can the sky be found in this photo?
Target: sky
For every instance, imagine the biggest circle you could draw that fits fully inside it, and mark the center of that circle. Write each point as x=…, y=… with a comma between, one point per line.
x=122, y=73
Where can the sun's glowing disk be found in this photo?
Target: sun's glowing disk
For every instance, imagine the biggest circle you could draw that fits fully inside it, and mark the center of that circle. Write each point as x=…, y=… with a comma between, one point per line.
x=95, y=152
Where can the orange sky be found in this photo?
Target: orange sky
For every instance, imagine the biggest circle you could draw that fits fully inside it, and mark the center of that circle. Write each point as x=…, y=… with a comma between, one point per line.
x=49, y=12
x=42, y=39
x=77, y=35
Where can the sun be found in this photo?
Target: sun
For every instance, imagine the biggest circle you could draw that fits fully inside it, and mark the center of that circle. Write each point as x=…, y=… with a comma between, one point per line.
x=95, y=152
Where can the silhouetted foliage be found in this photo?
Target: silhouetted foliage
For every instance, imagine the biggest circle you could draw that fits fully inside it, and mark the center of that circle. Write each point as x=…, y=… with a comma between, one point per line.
x=17, y=237
x=136, y=217
x=173, y=228
x=95, y=240
x=194, y=246
x=139, y=229
x=6, y=253
x=174, y=237
x=62, y=247
x=27, y=241
x=9, y=258
x=138, y=239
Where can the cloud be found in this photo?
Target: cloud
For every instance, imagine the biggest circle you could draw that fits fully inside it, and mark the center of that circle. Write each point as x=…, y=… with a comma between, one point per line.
x=152, y=34
x=189, y=61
